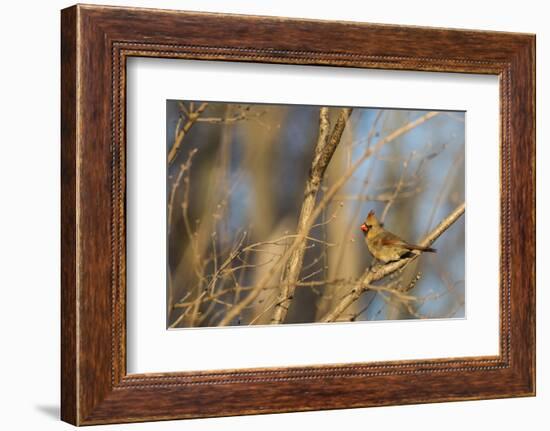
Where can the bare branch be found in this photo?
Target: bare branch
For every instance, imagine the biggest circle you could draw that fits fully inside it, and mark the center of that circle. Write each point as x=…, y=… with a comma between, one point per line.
x=324, y=150
x=192, y=117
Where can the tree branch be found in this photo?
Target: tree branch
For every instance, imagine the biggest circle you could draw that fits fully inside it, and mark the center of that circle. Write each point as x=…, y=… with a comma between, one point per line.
x=324, y=150
x=192, y=117
x=378, y=272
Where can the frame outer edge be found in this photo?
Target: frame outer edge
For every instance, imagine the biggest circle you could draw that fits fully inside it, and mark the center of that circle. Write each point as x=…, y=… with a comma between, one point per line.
x=531, y=79
x=523, y=243
x=69, y=197
x=88, y=397
x=528, y=61
x=533, y=55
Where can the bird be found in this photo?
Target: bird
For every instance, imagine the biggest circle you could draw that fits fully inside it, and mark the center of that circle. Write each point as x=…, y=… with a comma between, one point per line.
x=386, y=246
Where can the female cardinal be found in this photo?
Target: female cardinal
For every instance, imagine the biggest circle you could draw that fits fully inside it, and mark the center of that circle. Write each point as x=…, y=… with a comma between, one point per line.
x=384, y=245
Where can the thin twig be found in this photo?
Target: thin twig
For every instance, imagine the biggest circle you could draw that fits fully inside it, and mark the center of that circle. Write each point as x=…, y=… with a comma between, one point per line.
x=192, y=117
x=397, y=190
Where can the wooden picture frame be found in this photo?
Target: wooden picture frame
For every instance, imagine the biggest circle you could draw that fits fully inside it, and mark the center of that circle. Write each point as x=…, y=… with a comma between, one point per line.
x=95, y=43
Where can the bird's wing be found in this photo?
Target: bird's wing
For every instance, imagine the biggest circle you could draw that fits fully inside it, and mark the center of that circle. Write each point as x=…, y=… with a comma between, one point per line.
x=393, y=240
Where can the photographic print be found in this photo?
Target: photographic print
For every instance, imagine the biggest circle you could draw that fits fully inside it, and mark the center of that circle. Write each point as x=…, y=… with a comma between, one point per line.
x=295, y=214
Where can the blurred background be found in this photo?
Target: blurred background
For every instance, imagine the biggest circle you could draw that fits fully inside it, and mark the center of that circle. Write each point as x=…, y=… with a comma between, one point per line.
x=235, y=187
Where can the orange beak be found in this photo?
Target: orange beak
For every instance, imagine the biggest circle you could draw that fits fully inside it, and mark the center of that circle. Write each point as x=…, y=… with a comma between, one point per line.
x=364, y=228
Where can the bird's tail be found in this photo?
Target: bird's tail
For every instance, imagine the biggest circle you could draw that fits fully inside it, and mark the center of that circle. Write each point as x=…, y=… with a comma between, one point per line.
x=423, y=249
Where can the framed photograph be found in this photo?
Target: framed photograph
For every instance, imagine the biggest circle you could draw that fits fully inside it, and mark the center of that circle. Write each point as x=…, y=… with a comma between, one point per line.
x=286, y=215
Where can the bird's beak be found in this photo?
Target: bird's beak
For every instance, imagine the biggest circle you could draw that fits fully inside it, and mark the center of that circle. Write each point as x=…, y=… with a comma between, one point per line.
x=364, y=228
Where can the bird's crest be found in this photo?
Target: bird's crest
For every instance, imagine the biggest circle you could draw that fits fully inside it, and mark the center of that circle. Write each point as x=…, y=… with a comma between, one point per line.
x=371, y=218
x=369, y=222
